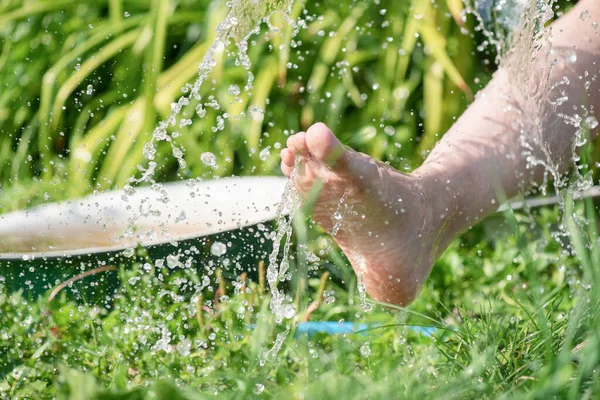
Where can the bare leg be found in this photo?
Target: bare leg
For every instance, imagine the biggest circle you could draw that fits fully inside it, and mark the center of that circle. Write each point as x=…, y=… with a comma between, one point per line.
x=395, y=225
x=483, y=154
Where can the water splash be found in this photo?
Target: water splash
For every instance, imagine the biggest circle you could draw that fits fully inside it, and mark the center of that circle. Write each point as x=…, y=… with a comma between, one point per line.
x=342, y=209
x=360, y=284
x=242, y=21
x=276, y=270
x=271, y=354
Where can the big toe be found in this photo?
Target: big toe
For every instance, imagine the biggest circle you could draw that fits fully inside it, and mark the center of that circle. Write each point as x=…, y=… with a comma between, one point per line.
x=323, y=145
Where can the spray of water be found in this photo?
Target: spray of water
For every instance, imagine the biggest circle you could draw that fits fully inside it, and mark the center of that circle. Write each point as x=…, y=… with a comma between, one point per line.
x=276, y=270
x=243, y=20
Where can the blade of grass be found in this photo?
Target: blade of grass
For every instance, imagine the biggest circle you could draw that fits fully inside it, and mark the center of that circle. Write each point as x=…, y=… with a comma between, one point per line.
x=47, y=123
x=433, y=89
x=115, y=8
x=437, y=44
x=142, y=116
x=34, y=8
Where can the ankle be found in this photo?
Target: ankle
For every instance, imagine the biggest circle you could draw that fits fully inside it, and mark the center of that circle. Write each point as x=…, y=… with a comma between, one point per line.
x=445, y=202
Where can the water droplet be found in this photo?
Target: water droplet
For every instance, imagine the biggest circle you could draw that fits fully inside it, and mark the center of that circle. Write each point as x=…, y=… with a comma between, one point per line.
x=89, y=90
x=133, y=280
x=365, y=350
x=129, y=252
x=234, y=90
x=213, y=104
x=149, y=151
x=259, y=388
x=200, y=111
x=162, y=344
x=264, y=154
x=184, y=347
x=184, y=101
x=256, y=113
x=220, y=124
x=329, y=297
x=561, y=100
x=126, y=14
x=218, y=249
x=160, y=134
x=224, y=299
x=173, y=261
x=591, y=122
x=288, y=311
x=209, y=159
x=570, y=56
x=177, y=153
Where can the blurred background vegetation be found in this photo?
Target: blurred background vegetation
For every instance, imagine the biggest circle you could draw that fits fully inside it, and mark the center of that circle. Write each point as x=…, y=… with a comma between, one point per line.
x=84, y=83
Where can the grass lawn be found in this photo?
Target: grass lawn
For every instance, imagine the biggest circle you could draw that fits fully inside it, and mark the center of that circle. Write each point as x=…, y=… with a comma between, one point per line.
x=515, y=316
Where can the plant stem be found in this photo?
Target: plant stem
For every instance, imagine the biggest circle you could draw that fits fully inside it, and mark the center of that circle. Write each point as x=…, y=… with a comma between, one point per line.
x=115, y=8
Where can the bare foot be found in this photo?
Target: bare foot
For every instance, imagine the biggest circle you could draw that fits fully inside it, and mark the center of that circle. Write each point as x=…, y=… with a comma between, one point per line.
x=386, y=222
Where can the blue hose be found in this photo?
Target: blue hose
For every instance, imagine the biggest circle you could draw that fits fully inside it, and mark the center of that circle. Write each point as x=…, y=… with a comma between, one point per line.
x=341, y=328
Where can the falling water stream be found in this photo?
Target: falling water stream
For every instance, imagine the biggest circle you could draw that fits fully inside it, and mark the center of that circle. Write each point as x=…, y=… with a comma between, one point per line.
x=243, y=20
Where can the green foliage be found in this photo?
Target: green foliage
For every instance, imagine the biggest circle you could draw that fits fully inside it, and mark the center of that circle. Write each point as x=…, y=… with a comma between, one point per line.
x=84, y=83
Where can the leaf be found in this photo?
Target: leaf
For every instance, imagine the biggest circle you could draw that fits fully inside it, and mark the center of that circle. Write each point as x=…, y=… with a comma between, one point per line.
x=76, y=385
x=434, y=112
x=437, y=46
x=38, y=353
x=419, y=8
x=456, y=7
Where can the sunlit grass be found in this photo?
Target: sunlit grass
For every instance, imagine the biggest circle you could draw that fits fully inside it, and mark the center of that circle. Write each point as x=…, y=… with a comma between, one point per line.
x=499, y=333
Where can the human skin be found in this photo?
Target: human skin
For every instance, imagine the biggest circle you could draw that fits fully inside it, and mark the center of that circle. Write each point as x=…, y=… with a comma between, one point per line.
x=513, y=136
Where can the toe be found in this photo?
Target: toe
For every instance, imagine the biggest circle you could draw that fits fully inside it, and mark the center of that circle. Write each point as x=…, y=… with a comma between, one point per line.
x=287, y=157
x=286, y=169
x=322, y=144
x=297, y=143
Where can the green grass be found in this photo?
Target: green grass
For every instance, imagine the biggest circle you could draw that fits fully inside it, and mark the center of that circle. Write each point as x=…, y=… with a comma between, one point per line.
x=516, y=312
x=517, y=317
